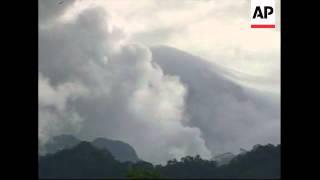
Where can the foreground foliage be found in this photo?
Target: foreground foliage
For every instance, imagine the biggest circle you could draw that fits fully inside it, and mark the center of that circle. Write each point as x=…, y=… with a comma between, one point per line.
x=86, y=161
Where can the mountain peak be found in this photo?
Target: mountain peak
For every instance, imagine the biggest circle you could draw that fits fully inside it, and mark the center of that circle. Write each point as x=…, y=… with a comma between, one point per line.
x=120, y=150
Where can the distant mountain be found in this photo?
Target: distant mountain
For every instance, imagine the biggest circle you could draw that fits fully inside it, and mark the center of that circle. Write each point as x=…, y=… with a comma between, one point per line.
x=224, y=158
x=81, y=161
x=120, y=150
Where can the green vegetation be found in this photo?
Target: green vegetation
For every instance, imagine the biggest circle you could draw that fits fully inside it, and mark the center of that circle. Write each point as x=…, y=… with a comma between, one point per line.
x=260, y=162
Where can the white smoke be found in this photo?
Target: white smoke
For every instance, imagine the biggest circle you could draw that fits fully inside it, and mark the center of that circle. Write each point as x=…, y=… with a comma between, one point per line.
x=93, y=83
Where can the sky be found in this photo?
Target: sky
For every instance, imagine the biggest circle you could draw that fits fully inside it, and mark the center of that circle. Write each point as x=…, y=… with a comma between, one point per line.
x=170, y=77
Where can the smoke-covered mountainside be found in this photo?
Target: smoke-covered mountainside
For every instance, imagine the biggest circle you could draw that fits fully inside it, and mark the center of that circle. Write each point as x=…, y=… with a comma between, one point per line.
x=211, y=93
x=87, y=161
x=120, y=150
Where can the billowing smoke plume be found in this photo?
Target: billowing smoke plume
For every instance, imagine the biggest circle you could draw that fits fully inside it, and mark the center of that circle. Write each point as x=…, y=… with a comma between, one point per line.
x=92, y=84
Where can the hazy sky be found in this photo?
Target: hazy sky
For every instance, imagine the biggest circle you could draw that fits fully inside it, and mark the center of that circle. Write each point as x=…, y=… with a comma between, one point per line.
x=106, y=69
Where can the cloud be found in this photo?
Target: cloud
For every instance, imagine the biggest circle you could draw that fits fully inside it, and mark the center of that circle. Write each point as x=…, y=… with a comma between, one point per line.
x=92, y=83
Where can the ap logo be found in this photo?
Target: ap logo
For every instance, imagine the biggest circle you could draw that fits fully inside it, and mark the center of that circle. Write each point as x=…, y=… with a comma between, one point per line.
x=263, y=14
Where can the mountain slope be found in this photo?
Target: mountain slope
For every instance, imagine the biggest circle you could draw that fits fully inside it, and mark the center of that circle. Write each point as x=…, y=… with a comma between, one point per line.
x=120, y=150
